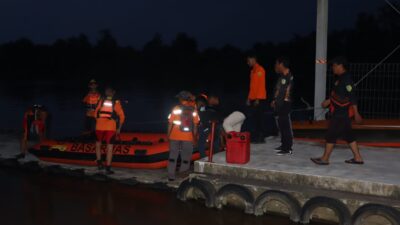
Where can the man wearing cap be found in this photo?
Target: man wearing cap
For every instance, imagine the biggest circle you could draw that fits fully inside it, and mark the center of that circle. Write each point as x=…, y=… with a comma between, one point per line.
x=182, y=133
x=91, y=100
x=257, y=98
x=343, y=106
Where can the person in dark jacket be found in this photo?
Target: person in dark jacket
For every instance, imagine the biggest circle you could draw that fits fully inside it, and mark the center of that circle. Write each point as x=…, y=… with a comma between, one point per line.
x=282, y=102
x=209, y=112
x=343, y=106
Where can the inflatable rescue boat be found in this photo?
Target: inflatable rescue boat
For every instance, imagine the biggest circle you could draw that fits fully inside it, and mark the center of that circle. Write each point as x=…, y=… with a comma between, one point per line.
x=131, y=150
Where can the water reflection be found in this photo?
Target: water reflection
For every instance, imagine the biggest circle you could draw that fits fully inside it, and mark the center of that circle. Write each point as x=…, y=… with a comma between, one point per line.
x=39, y=199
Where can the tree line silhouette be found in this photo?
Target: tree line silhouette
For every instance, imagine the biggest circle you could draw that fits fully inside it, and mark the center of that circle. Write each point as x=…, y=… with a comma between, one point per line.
x=182, y=64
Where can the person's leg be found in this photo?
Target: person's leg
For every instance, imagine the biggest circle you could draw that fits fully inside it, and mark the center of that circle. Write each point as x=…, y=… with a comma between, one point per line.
x=109, y=156
x=201, y=145
x=217, y=137
x=98, y=150
x=99, y=139
x=186, y=155
x=328, y=151
x=174, y=147
x=110, y=138
x=281, y=128
x=331, y=136
x=259, y=119
x=349, y=136
x=356, y=151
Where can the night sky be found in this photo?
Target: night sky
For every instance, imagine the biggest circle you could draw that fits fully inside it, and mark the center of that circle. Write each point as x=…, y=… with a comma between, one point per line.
x=134, y=22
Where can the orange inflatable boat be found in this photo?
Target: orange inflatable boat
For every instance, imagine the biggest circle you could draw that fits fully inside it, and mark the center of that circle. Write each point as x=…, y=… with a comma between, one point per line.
x=131, y=150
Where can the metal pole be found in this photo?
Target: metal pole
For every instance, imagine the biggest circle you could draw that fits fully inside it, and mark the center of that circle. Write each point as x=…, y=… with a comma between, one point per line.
x=320, y=57
x=211, y=152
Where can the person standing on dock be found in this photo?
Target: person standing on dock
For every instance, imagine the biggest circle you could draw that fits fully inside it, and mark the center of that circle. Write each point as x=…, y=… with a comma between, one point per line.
x=91, y=100
x=182, y=133
x=257, y=98
x=282, y=105
x=209, y=112
x=343, y=106
x=110, y=118
x=34, y=128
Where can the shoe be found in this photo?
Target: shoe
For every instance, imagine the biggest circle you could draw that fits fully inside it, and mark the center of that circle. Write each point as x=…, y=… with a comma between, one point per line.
x=283, y=152
x=278, y=149
x=20, y=156
x=109, y=171
x=100, y=165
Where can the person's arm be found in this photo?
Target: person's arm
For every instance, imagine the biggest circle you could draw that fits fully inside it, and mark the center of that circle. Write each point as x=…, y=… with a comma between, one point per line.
x=260, y=85
x=326, y=103
x=120, y=112
x=288, y=91
x=196, y=121
x=85, y=99
x=171, y=118
x=195, y=129
x=353, y=99
x=276, y=92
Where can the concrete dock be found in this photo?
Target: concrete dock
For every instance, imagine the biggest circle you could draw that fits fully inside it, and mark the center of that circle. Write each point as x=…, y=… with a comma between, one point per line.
x=286, y=185
x=342, y=193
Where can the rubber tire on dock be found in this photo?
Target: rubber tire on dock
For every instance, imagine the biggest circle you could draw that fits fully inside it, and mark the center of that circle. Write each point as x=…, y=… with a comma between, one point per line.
x=282, y=197
x=206, y=188
x=337, y=206
x=390, y=213
x=240, y=191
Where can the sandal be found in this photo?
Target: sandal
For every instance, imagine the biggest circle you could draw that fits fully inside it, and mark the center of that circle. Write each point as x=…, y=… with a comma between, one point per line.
x=353, y=161
x=319, y=161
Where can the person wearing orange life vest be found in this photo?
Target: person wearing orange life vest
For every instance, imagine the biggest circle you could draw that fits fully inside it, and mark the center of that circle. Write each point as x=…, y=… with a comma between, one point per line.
x=182, y=133
x=91, y=100
x=257, y=98
x=343, y=106
x=109, y=119
x=34, y=128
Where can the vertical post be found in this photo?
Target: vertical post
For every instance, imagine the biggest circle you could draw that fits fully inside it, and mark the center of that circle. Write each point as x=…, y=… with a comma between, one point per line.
x=211, y=152
x=320, y=57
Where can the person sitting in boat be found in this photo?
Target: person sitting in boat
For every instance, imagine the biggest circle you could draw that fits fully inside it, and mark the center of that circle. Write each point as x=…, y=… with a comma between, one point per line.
x=182, y=133
x=91, y=100
x=109, y=119
x=34, y=128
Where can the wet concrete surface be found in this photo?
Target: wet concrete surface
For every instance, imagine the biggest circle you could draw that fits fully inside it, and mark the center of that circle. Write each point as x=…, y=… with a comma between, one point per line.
x=378, y=176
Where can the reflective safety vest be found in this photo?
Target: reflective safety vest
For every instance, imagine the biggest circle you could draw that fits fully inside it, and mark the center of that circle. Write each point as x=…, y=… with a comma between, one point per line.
x=184, y=118
x=107, y=109
x=92, y=100
x=337, y=102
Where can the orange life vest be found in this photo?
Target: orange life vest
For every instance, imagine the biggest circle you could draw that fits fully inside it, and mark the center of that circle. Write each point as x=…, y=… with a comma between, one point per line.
x=184, y=115
x=107, y=109
x=92, y=100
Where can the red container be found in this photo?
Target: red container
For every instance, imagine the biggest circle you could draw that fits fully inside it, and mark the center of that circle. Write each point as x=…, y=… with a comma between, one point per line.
x=238, y=148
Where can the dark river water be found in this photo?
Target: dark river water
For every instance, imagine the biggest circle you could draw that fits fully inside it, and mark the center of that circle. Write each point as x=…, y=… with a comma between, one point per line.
x=41, y=199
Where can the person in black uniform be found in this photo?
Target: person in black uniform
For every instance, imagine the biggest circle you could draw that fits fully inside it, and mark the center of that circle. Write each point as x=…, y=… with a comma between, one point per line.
x=282, y=105
x=343, y=106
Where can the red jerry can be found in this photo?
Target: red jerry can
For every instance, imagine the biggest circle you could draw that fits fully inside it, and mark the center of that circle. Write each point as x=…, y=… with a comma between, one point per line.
x=238, y=147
